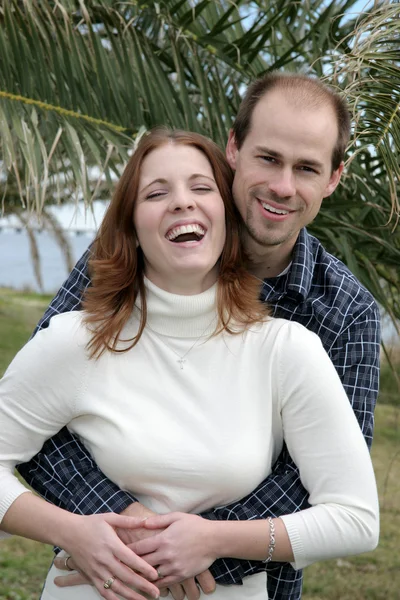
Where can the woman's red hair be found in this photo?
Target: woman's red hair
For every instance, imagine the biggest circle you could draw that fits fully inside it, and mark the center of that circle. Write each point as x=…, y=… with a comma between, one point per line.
x=116, y=265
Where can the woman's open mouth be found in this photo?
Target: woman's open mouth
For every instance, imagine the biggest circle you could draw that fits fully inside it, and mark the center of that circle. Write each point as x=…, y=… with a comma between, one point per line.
x=192, y=232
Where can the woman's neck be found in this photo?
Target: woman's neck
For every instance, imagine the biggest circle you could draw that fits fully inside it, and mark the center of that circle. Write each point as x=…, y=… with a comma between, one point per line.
x=180, y=315
x=186, y=284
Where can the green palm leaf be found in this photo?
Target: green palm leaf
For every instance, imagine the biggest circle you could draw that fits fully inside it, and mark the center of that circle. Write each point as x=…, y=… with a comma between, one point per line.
x=80, y=79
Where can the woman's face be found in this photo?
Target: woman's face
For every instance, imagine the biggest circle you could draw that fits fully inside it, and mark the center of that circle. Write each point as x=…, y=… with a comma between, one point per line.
x=179, y=219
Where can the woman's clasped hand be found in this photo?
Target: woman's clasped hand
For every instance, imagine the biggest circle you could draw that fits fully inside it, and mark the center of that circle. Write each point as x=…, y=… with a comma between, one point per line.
x=128, y=566
x=110, y=559
x=181, y=550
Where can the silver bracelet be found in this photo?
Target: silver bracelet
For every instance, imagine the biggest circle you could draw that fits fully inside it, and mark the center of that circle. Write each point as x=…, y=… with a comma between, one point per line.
x=271, y=546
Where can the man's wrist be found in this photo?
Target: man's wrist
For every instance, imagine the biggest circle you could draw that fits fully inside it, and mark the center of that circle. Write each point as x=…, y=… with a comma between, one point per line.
x=138, y=510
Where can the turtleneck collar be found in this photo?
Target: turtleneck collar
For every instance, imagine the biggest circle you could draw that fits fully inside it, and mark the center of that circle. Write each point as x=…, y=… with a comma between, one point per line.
x=181, y=316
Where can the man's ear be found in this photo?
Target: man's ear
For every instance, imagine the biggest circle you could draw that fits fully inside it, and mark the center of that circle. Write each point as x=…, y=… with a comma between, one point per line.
x=334, y=180
x=231, y=150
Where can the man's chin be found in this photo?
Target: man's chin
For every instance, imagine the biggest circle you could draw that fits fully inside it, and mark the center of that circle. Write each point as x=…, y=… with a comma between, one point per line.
x=266, y=239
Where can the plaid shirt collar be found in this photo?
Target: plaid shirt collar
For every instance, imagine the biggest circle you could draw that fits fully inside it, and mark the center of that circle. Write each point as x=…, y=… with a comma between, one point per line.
x=296, y=283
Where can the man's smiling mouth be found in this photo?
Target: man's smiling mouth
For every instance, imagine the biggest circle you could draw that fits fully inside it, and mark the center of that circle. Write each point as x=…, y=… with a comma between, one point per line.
x=272, y=209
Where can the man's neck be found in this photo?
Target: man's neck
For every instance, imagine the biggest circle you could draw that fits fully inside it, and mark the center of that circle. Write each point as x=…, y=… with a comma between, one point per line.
x=268, y=261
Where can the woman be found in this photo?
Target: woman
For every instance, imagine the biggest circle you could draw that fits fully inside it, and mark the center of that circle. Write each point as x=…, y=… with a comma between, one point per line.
x=183, y=390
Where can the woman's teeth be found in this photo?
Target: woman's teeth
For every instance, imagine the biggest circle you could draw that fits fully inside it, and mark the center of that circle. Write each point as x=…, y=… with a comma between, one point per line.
x=195, y=229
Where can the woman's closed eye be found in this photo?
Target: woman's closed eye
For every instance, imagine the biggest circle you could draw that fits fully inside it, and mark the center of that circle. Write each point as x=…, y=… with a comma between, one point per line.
x=202, y=188
x=156, y=194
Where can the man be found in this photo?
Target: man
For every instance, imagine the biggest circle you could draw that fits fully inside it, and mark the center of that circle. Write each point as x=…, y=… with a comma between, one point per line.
x=286, y=148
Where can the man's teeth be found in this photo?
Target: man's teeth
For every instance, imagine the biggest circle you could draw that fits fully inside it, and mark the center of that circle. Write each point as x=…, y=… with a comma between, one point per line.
x=182, y=229
x=278, y=211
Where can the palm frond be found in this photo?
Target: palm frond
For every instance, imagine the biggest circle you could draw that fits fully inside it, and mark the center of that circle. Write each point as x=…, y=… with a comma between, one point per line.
x=34, y=249
x=80, y=78
x=105, y=70
x=52, y=224
x=371, y=71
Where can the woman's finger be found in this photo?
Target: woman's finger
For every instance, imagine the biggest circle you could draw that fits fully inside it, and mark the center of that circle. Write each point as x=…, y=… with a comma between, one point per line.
x=155, y=559
x=146, y=546
x=127, y=577
x=71, y=580
x=123, y=522
x=161, y=521
x=128, y=593
x=136, y=563
x=108, y=593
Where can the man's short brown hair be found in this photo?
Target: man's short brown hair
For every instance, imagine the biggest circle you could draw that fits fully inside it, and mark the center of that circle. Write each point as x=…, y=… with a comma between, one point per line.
x=302, y=90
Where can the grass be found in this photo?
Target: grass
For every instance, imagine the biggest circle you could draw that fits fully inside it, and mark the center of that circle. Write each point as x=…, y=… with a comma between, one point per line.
x=23, y=563
x=373, y=576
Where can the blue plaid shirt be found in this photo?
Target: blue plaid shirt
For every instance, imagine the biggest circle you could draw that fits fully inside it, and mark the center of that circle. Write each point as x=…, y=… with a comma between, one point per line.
x=319, y=292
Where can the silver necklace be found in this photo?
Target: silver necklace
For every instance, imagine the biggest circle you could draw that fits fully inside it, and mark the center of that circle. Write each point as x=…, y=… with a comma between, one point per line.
x=181, y=359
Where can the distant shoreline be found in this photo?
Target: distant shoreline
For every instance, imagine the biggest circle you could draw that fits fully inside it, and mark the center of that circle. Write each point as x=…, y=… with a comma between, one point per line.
x=16, y=268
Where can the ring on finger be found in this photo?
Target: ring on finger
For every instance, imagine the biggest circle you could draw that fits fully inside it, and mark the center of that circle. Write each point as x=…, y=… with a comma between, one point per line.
x=108, y=583
x=66, y=565
x=160, y=575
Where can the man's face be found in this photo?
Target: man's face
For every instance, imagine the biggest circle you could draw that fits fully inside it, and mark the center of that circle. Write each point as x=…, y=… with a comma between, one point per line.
x=283, y=169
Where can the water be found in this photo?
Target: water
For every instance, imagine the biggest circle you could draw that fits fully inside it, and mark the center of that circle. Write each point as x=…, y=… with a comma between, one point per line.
x=16, y=266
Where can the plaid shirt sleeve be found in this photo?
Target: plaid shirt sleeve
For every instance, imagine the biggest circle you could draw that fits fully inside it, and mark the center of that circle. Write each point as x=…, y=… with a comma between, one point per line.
x=355, y=355
x=69, y=295
x=63, y=472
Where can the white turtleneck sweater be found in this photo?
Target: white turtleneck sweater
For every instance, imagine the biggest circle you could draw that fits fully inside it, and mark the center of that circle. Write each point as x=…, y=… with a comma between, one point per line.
x=194, y=438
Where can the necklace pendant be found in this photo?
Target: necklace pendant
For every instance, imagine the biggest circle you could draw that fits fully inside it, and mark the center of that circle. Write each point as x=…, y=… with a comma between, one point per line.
x=181, y=361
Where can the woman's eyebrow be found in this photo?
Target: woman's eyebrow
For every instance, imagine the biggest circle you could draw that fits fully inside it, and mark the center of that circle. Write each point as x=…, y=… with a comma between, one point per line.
x=195, y=175
x=159, y=180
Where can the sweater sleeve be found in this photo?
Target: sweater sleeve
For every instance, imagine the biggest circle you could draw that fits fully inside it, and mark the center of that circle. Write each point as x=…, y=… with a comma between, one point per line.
x=38, y=396
x=326, y=443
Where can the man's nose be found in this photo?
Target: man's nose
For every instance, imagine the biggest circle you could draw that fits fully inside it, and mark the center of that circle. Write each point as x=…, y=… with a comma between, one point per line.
x=283, y=184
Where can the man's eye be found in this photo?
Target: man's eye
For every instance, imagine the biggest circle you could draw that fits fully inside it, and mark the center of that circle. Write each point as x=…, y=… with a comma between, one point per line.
x=267, y=158
x=306, y=169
